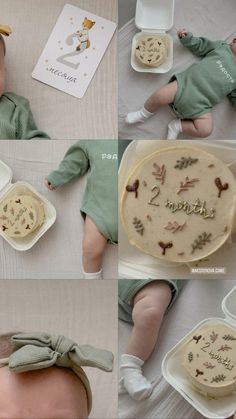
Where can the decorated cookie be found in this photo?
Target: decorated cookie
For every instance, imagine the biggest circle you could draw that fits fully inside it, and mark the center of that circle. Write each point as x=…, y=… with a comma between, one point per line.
x=151, y=50
x=20, y=215
x=179, y=204
x=209, y=358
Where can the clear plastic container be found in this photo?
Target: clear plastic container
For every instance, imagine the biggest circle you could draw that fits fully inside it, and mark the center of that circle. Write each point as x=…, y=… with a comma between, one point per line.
x=7, y=189
x=176, y=376
x=154, y=17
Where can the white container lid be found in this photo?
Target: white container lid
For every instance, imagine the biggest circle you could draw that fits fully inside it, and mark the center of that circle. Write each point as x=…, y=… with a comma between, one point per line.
x=5, y=175
x=172, y=371
x=229, y=306
x=154, y=15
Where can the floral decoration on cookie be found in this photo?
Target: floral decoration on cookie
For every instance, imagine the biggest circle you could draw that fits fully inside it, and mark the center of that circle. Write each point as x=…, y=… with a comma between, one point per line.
x=179, y=194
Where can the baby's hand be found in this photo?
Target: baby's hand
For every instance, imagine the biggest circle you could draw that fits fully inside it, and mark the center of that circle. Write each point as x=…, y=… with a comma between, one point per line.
x=182, y=33
x=49, y=185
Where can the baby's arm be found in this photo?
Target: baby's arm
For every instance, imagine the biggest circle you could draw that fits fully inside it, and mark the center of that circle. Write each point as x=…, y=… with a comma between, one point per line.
x=74, y=164
x=26, y=128
x=232, y=98
x=199, y=46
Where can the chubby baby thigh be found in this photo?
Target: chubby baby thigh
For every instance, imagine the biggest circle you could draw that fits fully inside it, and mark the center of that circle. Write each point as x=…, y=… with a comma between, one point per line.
x=156, y=292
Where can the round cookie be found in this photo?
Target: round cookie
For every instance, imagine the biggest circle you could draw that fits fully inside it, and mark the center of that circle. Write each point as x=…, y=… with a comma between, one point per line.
x=151, y=50
x=20, y=215
x=209, y=358
x=179, y=204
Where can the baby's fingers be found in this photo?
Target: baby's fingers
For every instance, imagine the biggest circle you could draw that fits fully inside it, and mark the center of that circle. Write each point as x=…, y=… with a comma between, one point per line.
x=49, y=185
x=182, y=33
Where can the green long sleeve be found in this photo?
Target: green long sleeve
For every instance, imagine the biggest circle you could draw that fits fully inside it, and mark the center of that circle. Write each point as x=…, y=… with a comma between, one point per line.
x=206, y=82
x=74, y=164
x=16, y=119
x=25, y=125
x=99, y=159
x=232, y=98
x=199, y=46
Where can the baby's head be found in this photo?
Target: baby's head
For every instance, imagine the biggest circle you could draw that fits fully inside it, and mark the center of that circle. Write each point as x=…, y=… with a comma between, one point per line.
x=47, y=393
x=6, y=31
x=2, y=46
x=233, y=46
x=53, y=390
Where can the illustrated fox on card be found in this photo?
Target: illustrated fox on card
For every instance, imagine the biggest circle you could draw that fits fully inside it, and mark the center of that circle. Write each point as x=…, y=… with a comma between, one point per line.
x=81, y=38
x=83, y=35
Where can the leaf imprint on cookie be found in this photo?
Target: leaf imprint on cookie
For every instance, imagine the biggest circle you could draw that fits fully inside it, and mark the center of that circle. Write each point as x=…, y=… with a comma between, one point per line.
x=188, y=183
x=138, y=225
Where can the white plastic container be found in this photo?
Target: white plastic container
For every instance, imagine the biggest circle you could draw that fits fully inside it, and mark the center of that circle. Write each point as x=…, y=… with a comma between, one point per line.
x=154, y=17
x=7, y=189
x=175, y=375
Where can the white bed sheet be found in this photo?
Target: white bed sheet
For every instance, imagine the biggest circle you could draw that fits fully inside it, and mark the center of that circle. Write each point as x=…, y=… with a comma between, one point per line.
x=58, y=253
x=211, y=18
x=197, y=301
x=60, y=115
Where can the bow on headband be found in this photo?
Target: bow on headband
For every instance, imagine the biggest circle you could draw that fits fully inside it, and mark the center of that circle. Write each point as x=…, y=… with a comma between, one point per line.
x=5, y=30
x=38, y=350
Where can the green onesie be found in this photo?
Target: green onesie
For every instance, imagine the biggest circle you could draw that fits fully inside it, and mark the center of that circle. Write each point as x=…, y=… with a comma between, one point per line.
x=16, y=119
x=100, y=159
x=128, y=288
x=206, y=82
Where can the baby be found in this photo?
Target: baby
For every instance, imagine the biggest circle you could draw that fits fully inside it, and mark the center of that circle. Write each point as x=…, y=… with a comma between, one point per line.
x=16, y=121
x=99, y=207
x=194, y=92
x=41, y=376
x=142, y=303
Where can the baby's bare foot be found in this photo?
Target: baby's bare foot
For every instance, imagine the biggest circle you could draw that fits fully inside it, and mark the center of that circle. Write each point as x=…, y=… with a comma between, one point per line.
x=49, y=185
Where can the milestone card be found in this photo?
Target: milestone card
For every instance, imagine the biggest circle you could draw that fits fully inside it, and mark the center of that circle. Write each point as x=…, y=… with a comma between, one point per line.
x=74, y=50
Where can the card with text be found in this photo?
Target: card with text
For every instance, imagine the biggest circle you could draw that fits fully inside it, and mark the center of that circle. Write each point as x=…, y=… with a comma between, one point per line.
x=74, y=50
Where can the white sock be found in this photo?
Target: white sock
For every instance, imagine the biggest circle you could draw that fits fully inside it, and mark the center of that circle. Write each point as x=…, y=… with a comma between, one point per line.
x=139, y=116
x=133, y=380
x=174, y=128
x=92, y=275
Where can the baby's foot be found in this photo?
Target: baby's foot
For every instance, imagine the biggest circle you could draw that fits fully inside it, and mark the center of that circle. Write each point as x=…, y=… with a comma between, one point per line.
x=92, y=275
x=133, y=380
x=174, y=129
x=121, y=387
x=139, y=116
x=49, y=185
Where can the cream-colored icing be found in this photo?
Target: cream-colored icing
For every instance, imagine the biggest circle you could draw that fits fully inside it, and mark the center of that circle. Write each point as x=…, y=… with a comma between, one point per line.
x=150, y=218
x=151, y=50
x=20, y=215
x=209, y=358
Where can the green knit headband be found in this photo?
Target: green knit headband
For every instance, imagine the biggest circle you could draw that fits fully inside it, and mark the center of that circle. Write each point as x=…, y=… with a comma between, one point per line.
x=38, y=350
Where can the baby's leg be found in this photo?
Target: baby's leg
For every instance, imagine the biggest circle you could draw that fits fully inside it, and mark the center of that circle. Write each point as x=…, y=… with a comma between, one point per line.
x=198, y=127
x=163, y=96
x=94, y=244
x=150, y=305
